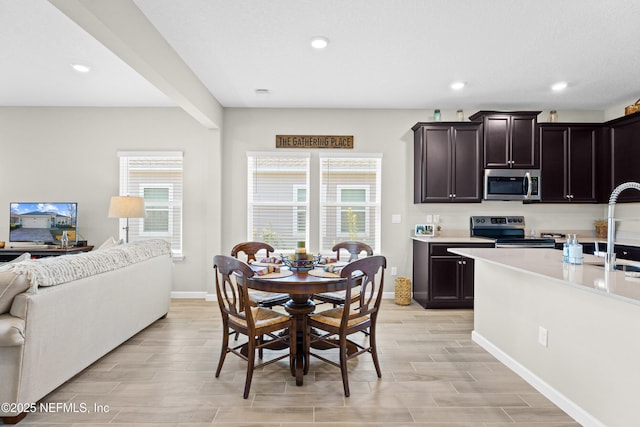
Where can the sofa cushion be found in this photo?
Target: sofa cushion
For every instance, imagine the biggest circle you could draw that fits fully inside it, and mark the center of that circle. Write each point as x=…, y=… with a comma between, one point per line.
x=51, y=271
x=11, y=331
x=11, y=284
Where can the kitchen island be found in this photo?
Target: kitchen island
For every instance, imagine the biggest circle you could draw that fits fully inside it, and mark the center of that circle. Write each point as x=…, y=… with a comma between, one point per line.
x=571, y=331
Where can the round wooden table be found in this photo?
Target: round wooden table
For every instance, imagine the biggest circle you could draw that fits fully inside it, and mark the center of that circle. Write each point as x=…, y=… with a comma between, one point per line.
x=300, y=286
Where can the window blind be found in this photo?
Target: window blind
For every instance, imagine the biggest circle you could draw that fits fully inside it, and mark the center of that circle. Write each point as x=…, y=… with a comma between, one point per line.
x=158, y=177
x=350, y=200
x=278, y=199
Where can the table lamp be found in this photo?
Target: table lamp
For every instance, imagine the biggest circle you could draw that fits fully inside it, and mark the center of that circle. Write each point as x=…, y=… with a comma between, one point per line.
x=126, y=207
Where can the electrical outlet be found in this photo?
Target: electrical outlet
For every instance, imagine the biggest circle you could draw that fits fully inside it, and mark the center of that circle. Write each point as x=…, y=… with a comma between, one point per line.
x=543, y=336
x=394, y=271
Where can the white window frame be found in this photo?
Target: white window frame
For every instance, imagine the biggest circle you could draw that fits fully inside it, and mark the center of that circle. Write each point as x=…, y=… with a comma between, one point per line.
x=175, y=234
x=294, y=203
x=372, y=205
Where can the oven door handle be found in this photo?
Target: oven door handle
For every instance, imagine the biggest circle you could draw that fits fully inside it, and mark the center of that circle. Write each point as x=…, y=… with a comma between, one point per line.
x=527, y=176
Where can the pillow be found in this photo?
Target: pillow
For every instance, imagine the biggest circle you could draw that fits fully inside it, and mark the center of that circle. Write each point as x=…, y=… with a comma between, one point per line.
x=11, y=284
x=111, y=241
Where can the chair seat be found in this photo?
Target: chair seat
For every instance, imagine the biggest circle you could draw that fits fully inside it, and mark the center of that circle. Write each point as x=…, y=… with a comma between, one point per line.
x=263, y=317
x=338, y=297
x=267, y=299
x=333, y=316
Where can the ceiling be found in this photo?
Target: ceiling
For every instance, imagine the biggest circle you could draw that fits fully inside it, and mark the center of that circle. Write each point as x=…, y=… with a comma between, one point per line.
x=397, y=54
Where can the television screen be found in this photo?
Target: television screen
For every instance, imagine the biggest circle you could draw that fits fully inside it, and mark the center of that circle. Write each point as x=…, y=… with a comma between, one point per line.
x=43, y=222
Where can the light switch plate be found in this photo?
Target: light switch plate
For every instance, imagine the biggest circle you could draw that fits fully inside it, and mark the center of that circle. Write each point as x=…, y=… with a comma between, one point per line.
x=396, y=219
x=543, y=336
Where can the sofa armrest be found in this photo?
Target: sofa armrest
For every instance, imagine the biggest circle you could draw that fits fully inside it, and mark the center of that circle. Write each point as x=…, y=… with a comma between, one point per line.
x=11, y=331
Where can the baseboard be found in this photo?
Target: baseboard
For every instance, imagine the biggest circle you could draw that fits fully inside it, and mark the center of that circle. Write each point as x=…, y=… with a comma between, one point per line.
x=559, y=399
x=193, y=295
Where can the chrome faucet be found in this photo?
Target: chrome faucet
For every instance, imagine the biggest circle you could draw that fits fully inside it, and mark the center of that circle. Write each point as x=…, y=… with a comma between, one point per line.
x=609, y=260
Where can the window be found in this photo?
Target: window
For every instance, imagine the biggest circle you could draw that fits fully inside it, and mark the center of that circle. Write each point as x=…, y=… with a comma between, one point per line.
x=345, y=200
x=352, y=215
x=277, y=199
x=350, y=200
x=156, y=176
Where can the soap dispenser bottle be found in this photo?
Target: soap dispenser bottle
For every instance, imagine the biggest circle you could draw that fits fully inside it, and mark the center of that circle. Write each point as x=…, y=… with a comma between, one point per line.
x=565, y=249
x=575, y=251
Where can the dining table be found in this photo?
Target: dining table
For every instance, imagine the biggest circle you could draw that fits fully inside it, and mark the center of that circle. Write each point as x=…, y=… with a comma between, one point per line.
x=300, y=285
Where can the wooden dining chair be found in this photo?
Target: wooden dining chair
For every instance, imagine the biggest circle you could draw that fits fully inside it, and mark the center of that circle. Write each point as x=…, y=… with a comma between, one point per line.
x=259, y=298
x=354, y=249
x=242, y=318
x=332, y=327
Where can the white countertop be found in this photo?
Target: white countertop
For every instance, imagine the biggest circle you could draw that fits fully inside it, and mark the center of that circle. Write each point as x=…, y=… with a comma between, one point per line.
x=547, y=263
x=452, y=239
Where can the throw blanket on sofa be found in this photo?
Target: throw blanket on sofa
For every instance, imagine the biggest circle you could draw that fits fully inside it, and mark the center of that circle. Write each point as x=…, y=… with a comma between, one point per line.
x=56, y=270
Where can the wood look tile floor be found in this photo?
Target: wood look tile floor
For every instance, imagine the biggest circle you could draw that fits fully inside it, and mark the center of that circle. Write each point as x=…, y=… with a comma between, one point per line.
x=432, y=375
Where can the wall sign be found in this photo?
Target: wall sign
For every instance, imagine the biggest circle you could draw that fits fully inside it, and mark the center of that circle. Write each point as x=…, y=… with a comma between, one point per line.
x=314, y=141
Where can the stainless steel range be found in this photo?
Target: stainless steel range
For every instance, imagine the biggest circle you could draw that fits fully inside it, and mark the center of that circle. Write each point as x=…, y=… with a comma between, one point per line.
x=507, y=231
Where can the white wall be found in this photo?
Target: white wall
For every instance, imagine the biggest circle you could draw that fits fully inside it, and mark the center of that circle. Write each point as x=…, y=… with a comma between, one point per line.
x=378, y=131
x=62, y=154
x=69, y=154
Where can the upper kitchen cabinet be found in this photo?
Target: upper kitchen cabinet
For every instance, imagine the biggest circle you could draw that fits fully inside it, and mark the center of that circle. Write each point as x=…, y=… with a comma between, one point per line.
x=447, y=162
x=510, y=139
x=568, y=162
x=623, y=143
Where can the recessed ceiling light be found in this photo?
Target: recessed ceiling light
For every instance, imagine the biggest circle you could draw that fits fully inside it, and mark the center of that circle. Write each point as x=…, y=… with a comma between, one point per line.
x=457, y=85
x=557, y=87
x=81, y=68
x=319, y=42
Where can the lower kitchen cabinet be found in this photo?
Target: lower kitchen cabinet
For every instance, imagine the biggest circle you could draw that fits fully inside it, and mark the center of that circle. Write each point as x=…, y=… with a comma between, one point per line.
x=442, y=279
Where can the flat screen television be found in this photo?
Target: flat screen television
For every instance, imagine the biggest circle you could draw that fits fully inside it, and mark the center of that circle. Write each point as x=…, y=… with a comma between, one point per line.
x=43, y=222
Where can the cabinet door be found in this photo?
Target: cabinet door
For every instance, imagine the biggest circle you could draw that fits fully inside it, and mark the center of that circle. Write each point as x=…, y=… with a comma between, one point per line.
x=524, y=143
x=496, y=142
x=581, y=164
x=467, y=164
x=553, y=143
x=466, y=280
x=437, y=165
x=443, y=284
x=625, y=152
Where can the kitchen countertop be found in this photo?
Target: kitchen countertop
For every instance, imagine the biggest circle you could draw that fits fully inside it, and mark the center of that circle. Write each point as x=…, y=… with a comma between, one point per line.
x=547, y=263
x=452, y=239
x=581, y=239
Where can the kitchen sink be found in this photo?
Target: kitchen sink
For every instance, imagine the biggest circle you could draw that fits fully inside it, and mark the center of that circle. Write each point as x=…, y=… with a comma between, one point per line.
x=631, y=270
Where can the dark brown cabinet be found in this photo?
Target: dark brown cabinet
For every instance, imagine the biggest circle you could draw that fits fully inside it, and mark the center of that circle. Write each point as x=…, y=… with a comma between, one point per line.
x=568, y=162
x=442, y=279
x=510, y=139
x=447, y=162
x=624, y=151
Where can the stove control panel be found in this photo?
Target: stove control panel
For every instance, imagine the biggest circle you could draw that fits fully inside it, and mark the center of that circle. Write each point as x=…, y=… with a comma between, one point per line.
x=497, y=221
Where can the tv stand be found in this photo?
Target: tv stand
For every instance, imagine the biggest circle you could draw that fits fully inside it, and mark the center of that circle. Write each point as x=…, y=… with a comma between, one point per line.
x=39, y=251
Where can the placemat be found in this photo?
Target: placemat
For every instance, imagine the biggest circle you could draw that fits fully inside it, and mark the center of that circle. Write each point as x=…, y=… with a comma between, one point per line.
x=282, y=273
x=318, y=272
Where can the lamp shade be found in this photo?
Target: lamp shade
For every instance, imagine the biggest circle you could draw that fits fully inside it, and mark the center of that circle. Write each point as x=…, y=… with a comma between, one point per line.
x=126, y=207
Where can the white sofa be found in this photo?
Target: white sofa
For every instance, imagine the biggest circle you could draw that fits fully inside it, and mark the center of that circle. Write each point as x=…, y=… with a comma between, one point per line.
x=58, y=327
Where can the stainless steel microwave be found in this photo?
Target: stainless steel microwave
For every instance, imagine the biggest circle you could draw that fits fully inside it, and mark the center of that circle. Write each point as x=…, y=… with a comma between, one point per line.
x=512, y=184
